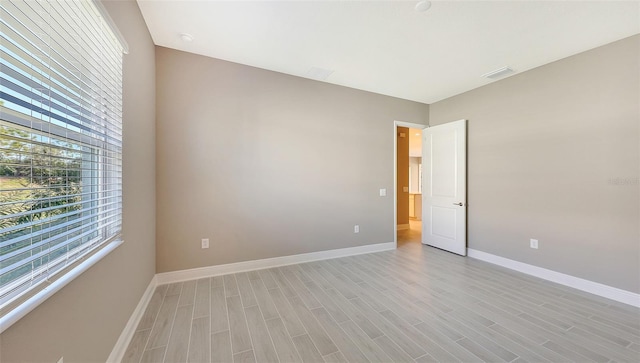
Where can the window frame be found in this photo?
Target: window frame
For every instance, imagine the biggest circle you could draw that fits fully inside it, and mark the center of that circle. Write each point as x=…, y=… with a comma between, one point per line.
x=88, y=253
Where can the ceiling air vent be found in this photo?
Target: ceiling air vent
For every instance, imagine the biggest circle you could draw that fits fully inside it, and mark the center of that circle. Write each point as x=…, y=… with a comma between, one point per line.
x=498, y=73
x=320, y=74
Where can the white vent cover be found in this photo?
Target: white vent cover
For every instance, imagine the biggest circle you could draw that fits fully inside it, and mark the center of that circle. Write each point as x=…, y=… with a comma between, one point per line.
x=498, y=73
x=320, y=74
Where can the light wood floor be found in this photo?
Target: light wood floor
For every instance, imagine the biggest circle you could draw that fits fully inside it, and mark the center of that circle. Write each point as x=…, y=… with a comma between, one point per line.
x=416, y=303
x=411, y=235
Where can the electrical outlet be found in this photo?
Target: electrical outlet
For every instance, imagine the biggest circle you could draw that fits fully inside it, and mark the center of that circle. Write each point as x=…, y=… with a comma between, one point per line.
x=383, y=192
x=205, y=243
x=356, y=229
x=533, y=243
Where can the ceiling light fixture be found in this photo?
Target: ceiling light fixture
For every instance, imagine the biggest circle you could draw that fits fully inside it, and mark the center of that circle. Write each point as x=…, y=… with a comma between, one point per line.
x=319, y=74
x=423, y=6
x=186, y=37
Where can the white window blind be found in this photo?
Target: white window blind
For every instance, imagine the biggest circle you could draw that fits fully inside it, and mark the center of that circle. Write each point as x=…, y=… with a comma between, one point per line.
x=60, y=140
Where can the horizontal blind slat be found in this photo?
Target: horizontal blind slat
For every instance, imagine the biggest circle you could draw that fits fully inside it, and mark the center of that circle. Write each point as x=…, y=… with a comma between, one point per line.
x=49, y=209
x=48, y=251
x=117, y=209
x=49, y=241
x=67, y=233
x=84, y=99
x=53, y=218
x=112, y=211
x=68, y=52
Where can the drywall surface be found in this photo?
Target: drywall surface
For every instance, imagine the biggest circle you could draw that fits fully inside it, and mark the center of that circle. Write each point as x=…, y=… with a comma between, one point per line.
x=82, y=321
x=266, y=164
x=553, y=154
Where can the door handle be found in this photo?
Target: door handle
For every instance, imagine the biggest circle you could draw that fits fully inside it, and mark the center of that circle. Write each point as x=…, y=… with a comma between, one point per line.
x=460, y=204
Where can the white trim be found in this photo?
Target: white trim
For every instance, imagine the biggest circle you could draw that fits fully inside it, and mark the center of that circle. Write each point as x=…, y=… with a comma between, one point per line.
x=33, y=302
x=397, y=124
x=197, y=273
x=411, y=125
x=596, y=288
x=402, y=227
x=118, y=351
x=117, y=354
x=112, y=25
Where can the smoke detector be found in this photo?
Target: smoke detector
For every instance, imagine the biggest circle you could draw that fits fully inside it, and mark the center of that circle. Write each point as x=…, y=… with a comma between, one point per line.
x=498, y=73
x=186, y=37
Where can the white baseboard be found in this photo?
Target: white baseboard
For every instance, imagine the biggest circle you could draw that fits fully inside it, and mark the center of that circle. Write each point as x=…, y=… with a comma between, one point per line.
x=127, y=333
x=609, y=292
x=197, y=273
x=401, y=227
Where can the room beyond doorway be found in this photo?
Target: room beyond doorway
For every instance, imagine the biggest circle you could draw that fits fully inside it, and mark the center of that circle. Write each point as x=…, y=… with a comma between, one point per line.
x=413, y=235
x=408, y=188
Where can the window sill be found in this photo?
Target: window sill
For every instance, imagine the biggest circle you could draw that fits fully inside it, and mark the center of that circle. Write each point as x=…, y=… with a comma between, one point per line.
x=26, y=307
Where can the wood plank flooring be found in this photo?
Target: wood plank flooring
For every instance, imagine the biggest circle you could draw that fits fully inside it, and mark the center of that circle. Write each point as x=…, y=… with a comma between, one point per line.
x=414, y=304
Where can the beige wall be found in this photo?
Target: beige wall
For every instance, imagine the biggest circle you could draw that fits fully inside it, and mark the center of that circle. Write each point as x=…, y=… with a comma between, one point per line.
x=545, y=150
x=83, y=320
x=402, y=164
x=265, y=164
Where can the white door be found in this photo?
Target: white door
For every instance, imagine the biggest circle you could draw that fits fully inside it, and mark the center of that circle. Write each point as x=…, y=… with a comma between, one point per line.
x=444, y=193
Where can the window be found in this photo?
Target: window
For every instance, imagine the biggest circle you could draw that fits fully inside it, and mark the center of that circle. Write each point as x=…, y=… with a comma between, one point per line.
x=60, y=141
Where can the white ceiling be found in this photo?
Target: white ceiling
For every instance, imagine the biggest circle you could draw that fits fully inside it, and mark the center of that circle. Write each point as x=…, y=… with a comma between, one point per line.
x=387, y=47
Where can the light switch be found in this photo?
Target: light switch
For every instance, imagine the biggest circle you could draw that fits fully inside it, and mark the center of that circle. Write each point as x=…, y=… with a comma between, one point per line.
x=383, y=192
x=533, y=243
x=405, y=189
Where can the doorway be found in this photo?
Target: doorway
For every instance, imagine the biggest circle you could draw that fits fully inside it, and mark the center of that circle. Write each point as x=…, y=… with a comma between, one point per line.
x=407, y=184
x=443, y=191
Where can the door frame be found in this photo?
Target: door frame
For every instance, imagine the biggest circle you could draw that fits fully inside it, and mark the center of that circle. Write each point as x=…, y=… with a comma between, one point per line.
x=397, y=124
